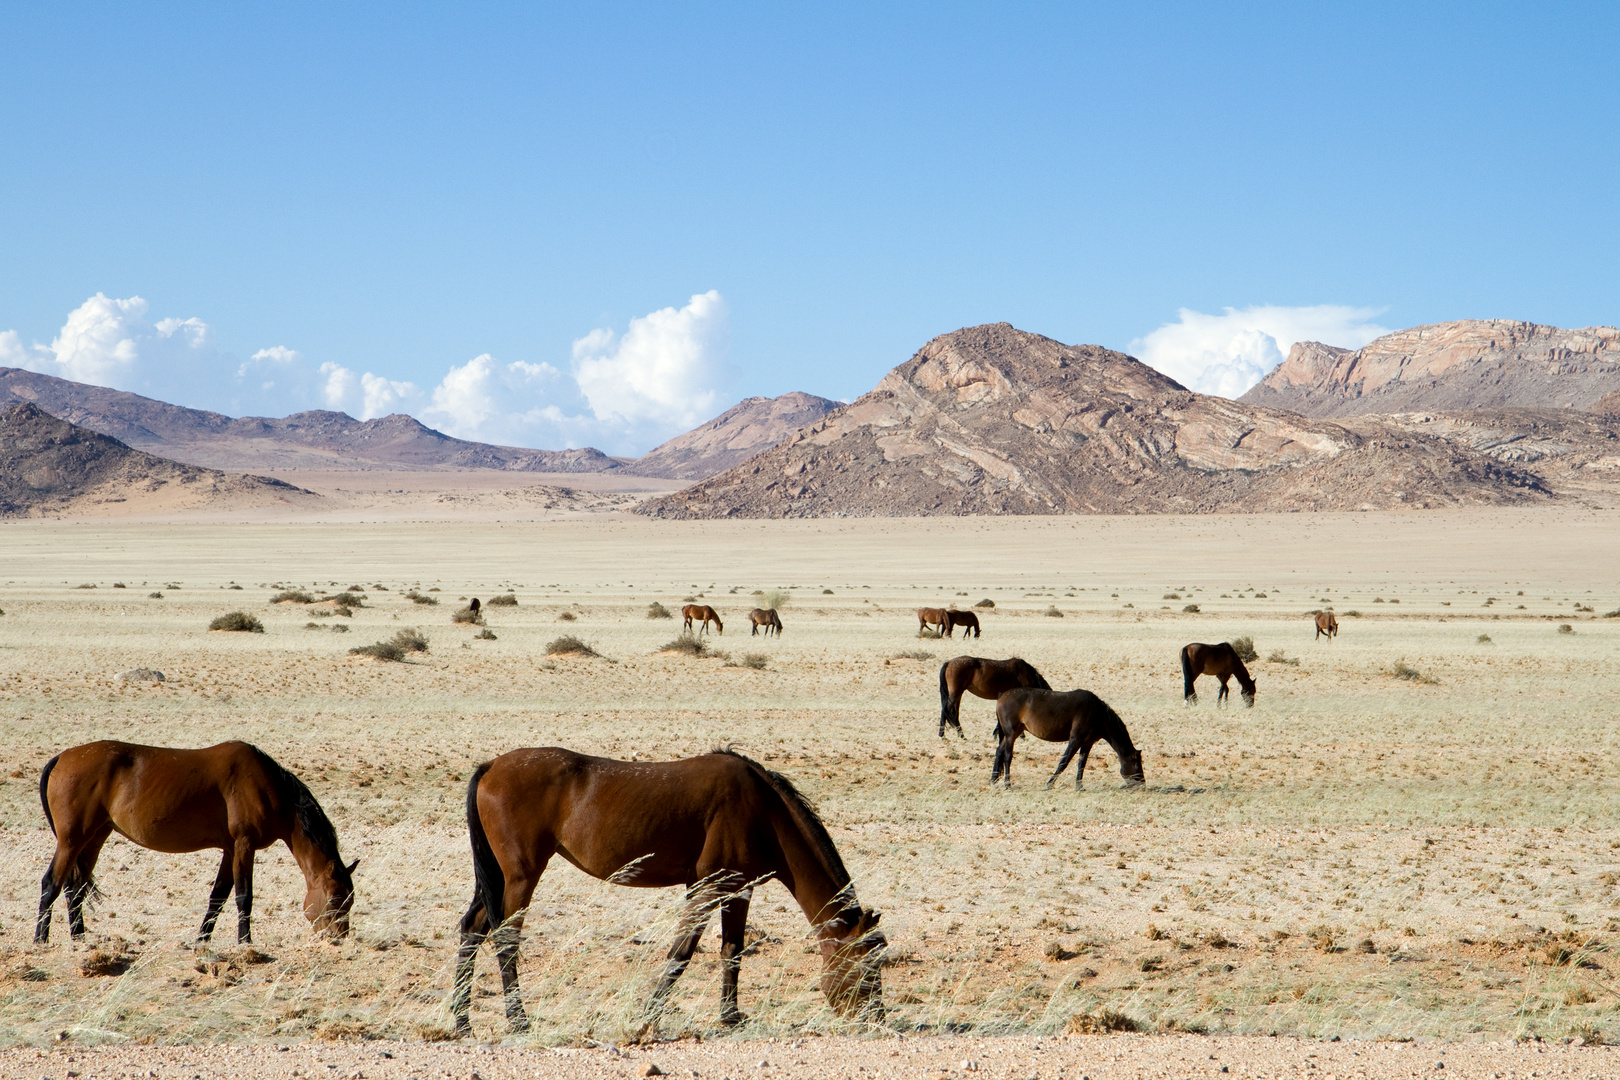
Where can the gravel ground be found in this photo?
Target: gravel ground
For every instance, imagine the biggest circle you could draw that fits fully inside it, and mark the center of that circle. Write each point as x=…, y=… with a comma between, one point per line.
x=1061, y=1058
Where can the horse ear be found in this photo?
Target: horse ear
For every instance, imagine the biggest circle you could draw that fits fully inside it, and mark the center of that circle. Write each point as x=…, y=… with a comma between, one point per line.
x=352, y=865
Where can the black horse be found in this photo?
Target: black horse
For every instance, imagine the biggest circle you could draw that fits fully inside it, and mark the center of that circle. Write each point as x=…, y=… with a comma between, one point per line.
x=1077, y=717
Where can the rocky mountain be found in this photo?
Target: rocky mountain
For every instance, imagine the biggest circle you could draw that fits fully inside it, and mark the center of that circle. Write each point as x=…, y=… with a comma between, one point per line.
x=306, y=440
x=992, y=419
x=50, y=466
x=747, y=428
x=1472, y=364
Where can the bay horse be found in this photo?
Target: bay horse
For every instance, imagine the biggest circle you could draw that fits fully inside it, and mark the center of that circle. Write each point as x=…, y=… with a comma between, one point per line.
x=988, y=679
x=933, y=617
x=1077, y=717
x=232, y=796
x=1326, y=623
x=703, y=612
x=1221, y=661
x=719, y=824
x=766, y=617
x=965, y=619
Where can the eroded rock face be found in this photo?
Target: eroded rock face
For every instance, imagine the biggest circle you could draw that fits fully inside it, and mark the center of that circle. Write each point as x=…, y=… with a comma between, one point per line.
x=742, y=431
x=991, y=419
x=1472, y=364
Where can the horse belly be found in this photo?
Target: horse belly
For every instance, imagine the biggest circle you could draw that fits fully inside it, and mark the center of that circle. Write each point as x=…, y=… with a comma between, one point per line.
x=172, y=825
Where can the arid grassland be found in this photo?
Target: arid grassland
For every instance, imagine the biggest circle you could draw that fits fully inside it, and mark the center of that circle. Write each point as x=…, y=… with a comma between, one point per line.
x=1361, y=854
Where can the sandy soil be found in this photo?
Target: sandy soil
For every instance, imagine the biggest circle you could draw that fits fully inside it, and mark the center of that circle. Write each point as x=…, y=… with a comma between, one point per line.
x=1360, y=855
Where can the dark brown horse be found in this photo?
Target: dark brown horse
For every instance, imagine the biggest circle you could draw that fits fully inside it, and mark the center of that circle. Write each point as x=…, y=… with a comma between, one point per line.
x=718, y=824
x=1221, y=661
x=935, y=617
x=703, y=612
x=988, y=679
x=1077, y=717
x=965, y=619
x=766, y=617
x=1326, y=623
x=232, y=796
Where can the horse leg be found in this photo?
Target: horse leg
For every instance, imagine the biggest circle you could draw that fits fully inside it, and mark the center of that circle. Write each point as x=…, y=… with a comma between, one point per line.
x=1226, y=692
x=242, y=875
x=1063, y=763
x=83, y=881
x=519, y=891
x=50, y=887
x=474, y=928
x=216, y=899
x=733, y=918
x=700, y=902
x=1080, y=766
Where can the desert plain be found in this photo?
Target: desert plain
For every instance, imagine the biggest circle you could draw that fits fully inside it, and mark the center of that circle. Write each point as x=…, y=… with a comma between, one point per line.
x=1409, y=844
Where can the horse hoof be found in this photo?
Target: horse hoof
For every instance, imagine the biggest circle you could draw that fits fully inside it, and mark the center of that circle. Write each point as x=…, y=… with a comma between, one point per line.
x=733, y=1018
x=520, y=1027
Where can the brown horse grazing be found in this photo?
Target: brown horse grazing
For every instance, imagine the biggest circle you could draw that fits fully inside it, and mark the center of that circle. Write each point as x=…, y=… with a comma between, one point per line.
x=766, y=617
x=232, y=796
x=1221, y=661
x=718, y=824
x=965, y=619
x=693, y=612
x=988, y=679
x=1077, y=716
x=1326, y=623
x=933, y=617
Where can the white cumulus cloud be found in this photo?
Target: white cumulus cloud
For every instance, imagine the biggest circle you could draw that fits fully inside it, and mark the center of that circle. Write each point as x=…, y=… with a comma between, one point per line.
x=662, y=370
x=1226, y=354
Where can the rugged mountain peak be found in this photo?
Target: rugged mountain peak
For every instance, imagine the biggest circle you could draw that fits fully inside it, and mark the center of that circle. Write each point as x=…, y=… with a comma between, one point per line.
x=748, y=427
x=1469, y=364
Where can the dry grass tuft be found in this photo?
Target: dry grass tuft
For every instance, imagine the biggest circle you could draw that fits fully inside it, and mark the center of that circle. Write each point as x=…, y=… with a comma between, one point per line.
x=1101, y=1022
x=569, y=645
x=1402, y=670
x=567, y=616
x=1565, y=628
x=1483, y=639
x=913, y=654
x=655, y=610
x=239, y=621
x=486, y=634
x=382, y=650
x=687, y=645
x=467, y=616
x=1052, y=612
x=154, y=596
x=1278, y=656
x=102, y=961
x=1190, y=609
x=420, y=598
x=292, y=596
x=1244, y=647
x=773, y=598
x=504, y=600
x=754, y=660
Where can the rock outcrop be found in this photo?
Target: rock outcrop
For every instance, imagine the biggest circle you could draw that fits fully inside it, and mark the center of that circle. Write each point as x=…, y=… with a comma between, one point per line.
x=1472, y=364
x=991, y=419
x=746, y=429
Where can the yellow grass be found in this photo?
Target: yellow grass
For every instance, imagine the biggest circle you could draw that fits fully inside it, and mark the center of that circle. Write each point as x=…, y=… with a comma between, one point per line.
x=1466, y=829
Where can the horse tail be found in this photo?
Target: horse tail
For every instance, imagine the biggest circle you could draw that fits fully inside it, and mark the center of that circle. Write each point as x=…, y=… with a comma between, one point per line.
x=44, y=801
x=491, y=880
x=945, y=716
x=1186, y=672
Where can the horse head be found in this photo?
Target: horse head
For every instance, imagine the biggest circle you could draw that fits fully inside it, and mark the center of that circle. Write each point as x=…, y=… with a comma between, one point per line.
x=329, y=898
x=1248, y=694
x=1130, y=767
x=851, y=946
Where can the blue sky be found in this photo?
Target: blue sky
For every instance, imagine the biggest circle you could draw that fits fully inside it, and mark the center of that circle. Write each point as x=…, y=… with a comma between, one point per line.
x=474, y=204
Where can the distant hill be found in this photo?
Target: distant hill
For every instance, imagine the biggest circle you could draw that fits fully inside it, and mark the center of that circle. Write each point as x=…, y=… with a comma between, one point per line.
x=1472, y=364
x=752, y=425
x=49, y=466
x=306, y=440
x=992, y=419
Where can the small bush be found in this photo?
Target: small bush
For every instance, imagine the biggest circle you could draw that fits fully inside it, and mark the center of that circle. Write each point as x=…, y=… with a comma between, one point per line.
x=1565, y=628
x=467, y=616
x=234, y=588
x=239, y=621
x=486, y=634
x=686, y=644
x=1190, y=609
x=986, y=603
x=1244, y=647
x=655, y=610
x=1259, y=596
x=420, y=598
x=913, y=654
x=1277, y=656
x=1352, y=614
x=1052, y=612
x=755, y=660
x=1101, y=1022
x=292, y=596
x=567, y=616
x=118, y=585
x=382, y=650
x=154, y=596
x=411, y=640
x=1483, y=639
x=1402, y=670
x=507, y=600
x=826, y=592
x=339, y=628
x=86, y=586
x=344, y=610
x=569, y=645
x=1171, y=596
x=313, y=626
x=929, y=634
x=774, y=598
x=1615, y=614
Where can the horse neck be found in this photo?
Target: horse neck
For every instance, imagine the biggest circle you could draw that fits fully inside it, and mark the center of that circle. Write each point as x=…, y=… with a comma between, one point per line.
x=1111, y=729
x=1244, y=679
x=317, y=865
x=820, y=893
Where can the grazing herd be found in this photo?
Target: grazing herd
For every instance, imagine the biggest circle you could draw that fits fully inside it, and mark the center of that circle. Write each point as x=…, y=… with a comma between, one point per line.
x=719, y=824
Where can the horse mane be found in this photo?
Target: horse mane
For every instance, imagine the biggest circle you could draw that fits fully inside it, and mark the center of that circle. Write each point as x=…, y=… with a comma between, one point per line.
x=1113, y=718
x=804, y=815
x=1040, y=680
x=312, y=820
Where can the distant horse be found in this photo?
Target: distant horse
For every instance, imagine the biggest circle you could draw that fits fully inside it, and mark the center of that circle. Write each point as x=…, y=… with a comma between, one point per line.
x=1077, y=717
x=1326, y=623
x=232, y=796
x=1220, y=661
x=965, y=619
x=719, y=824
x=988, y=679
x=473, y=606
x=703, y=612
x=933, y=617
x=766, y=617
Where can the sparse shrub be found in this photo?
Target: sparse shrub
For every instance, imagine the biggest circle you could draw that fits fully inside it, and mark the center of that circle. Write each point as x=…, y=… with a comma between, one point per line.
x=467, y=616
x=292, y=596
x=486, y=634
x=1171, y=596
x=1352, y=614
x=85, y=586
x=1277, y=656
x=655, y=610
x=344, y=610
x=913, y=654
x=1244, y=647
x=928, y=633
x=986, y=603
x=102, y=962
x=411, y=640
x=686, y=644
x=755, y=660
x=239, y=621
x=1052, y=612
x=382, y=650
x=1259, y=596
x=775, y=598
x=569, y=645
x=313, y=626
x=826, y=592
x=154, y=596
x=1615, y=614
x=118, y=584
x=338, y=628
x=1101, y=1022
x=1483, y=639
x=420, y=598
x=1565, y=628
x=434, y=588
x=1190, y=609
x=1402, y=670
x=505, y=600
x=567, y=616
x=234, y=588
